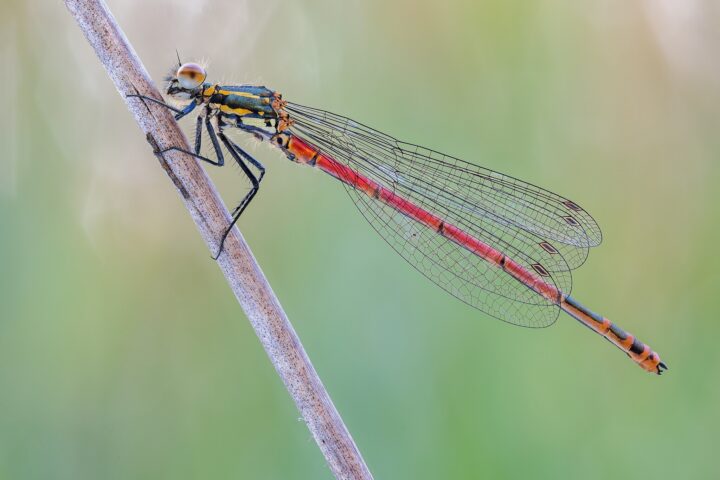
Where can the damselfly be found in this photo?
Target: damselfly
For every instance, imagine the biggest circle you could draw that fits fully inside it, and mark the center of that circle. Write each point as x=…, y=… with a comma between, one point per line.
x=501, y=245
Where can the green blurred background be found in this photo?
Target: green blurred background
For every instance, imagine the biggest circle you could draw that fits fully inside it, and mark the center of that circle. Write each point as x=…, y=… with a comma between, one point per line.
x=123, y=354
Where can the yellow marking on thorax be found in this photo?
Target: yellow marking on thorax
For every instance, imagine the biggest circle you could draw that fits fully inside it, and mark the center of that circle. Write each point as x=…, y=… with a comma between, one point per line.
x=239, y=94
x=236, y=111
x=209, y=91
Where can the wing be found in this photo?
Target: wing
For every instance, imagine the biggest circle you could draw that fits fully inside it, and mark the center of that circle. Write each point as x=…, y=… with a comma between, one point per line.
x=542, y=231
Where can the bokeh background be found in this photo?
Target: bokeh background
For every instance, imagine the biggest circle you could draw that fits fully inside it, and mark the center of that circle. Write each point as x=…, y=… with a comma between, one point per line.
x=123, y=353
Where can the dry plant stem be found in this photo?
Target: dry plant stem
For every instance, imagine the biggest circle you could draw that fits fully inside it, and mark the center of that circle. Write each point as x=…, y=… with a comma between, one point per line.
x=237, y=262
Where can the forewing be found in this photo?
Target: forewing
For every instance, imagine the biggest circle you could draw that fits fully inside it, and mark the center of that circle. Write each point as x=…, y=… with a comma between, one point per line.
x=544, y=232
x=455, y=269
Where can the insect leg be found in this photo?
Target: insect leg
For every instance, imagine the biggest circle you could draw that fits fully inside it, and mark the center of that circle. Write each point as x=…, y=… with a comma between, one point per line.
x=214, y=140
x=191, y=106
x=178, y=113
x=238, y=154
x=150, y=99
x=192, y=154
x=198, y=134
x=246, y=156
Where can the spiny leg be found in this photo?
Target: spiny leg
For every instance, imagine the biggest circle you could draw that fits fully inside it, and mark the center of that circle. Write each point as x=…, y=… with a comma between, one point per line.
x=178, y=113
x=159, y=102
x=189, y=108
x=238, y=154
x=215, y=143
x=246, y=156
x=219, y=163
x=198, y=133
x=235, y=150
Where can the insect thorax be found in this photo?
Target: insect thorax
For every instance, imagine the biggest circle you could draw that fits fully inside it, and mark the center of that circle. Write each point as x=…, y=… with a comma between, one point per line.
x=256, y=109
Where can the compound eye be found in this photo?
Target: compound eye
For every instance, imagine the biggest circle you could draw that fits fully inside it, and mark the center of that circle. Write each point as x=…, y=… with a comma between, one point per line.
x=191, y=75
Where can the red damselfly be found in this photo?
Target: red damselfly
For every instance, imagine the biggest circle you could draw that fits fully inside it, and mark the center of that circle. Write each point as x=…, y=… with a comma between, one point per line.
x=501, y=245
